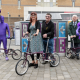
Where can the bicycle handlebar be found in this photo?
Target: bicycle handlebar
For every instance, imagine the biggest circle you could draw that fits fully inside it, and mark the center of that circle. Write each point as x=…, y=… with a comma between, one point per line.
x=29, y=38
x=9, y=38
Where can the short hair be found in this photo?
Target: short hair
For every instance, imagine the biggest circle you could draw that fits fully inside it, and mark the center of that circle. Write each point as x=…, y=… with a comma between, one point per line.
x=49, y=14
x=74, y=16
x=34, y=14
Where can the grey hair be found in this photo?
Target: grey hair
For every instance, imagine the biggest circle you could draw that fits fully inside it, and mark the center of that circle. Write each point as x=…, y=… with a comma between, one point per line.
x=74, y=16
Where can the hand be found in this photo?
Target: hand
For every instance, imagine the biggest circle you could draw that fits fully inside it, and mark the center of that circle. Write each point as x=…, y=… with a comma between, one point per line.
x=74, y=35
x=35, y=34
x=71, y=36
x=23, y=34
x=45, y=36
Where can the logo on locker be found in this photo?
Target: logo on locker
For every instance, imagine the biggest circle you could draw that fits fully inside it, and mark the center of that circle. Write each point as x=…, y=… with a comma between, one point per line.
x=62, y=29
x=24, y=45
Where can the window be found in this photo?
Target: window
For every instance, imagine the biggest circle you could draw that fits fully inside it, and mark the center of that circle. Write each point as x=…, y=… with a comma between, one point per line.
x=19, y=3
x=51, y=4
x=54, y=0
x=39, y=0
x=0, y=3
x=73, y=3
x=46, y=0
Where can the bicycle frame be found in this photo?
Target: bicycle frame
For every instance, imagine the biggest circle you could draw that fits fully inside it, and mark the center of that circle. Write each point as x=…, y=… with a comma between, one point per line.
x=74, y=49
x=8, y=48
x=28, y=53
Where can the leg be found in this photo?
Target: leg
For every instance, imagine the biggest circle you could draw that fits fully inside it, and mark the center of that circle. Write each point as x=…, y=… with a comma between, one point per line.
x=5, y=47
x=77, y=45
x=78, y=51
x=36, y=64
x=50, y=47
x=32, y=57
x=32, y=64
x=5, y=44
x=45, y=44
x=38, y=55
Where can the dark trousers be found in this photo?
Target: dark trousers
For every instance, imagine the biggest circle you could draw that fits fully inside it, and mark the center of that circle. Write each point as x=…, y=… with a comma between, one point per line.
x=75, y=46
x=32, y=56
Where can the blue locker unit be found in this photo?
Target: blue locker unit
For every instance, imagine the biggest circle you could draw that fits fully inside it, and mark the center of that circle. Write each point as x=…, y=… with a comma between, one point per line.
x=62, y=29
x=24, y=45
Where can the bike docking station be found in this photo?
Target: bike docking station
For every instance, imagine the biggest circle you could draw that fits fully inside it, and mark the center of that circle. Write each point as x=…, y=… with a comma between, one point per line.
x=60, y=33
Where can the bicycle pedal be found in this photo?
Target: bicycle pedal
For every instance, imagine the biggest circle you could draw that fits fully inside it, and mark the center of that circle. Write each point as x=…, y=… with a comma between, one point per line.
x=46, y=60
x=50, y=60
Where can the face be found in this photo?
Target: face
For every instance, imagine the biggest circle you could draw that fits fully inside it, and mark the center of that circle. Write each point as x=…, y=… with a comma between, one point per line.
x=48, y=18
x=2, y=19
x=33, y=16
x=74, y=18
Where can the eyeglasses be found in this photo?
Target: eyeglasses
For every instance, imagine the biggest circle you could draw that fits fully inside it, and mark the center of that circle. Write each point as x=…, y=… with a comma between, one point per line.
x=33, y=15
x=47, y=16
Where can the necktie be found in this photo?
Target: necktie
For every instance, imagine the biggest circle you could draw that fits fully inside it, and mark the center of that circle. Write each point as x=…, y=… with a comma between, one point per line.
x=74, y=24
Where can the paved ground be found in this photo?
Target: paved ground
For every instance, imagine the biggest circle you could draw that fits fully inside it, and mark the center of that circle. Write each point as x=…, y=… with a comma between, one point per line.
x=69, y=69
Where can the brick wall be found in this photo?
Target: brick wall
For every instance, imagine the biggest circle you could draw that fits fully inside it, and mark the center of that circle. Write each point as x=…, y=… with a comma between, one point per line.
x=64, y=3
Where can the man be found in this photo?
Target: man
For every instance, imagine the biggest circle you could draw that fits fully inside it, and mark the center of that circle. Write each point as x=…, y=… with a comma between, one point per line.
x=3, y=27
x=72, y=33
x=48, y=31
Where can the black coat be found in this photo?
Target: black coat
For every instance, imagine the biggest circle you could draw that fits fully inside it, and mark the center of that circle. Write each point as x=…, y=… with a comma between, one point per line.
x=37, y=25
x=48, y=29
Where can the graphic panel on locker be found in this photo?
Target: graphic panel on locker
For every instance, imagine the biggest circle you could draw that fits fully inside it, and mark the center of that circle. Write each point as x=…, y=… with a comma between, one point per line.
x=24, y=28
x=62, y=45
x=62, y=29
x=24, y=44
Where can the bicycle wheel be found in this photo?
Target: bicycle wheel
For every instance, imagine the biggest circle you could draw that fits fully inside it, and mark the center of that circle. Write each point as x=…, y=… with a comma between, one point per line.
x=22, y=67
x=4, y=54
x=54, y=59
x=16, y=55
x=68, y=52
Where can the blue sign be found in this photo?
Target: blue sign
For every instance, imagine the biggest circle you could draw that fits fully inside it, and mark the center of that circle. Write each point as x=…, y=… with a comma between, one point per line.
x=24, y=45
x=62, y=29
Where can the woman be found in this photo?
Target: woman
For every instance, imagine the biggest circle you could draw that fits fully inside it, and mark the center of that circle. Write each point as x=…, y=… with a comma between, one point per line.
x=36, y=42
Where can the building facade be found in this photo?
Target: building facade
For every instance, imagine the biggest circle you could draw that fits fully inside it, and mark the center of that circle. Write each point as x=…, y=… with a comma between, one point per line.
x=58, y=3
x=68, y=3
x=13, y=10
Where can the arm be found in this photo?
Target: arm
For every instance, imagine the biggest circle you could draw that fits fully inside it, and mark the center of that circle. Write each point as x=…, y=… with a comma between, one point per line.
x=38, y=28
x=28, y=31
x=51, y=32
x=36, y=32
x=69, y=30
x=7, y=26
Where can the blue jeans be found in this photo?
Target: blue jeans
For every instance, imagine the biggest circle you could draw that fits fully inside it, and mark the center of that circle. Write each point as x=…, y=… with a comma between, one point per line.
x=50, y=45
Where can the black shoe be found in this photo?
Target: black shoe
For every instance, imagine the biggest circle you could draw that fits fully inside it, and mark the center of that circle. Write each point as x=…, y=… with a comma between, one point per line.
x=77, y=57
x=35, y=65
x=31, y=64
